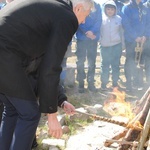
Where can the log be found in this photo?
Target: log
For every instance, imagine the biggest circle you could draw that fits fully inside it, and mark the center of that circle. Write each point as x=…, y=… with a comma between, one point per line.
x=140, y=104
x=107, y=143
x=123, y=142
x=121, y=134
x=133, y=134
x=148, y=147
x=145, y=132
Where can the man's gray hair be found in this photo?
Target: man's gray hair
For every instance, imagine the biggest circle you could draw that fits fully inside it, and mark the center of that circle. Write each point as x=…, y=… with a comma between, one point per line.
x=86, y=3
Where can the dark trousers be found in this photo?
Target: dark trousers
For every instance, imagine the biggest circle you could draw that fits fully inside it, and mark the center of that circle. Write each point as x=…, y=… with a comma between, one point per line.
x=146, y=57
x=19, y=122
x=134, y=75
x=86, y=49
x=110, y=57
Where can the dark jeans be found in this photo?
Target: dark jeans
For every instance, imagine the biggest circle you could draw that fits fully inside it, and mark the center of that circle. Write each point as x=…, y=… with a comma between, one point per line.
x=19, y=122
x=86, y=49
x=110, y=57
x=146, y=57
x=134, y=75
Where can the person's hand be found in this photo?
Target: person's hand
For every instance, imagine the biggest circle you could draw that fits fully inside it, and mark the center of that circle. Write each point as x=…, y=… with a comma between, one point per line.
x=90, y=35
x=138, y=39
x=55, y=129
x=68, y=108
x=143, y=39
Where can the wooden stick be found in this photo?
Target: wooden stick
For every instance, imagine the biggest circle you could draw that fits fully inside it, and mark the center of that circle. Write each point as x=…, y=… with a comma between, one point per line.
x=116, y=137
x=145, y=132
x=148, y=147
x=96, y=117
x=141, y=102
x=133, y=134
x=122, y=142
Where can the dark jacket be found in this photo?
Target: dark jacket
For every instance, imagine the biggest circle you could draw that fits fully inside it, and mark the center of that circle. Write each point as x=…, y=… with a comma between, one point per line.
x=30, y=29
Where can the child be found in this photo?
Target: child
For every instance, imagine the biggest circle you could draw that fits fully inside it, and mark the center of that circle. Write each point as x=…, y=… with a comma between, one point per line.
x=111, y=44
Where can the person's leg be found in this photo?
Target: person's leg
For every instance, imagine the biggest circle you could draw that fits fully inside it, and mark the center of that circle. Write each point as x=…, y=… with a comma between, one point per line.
x=1, y=110
x=28, y=116
x=146, y=55
x=130, y=65
x=63, y=73
x=8, y=123
x=105, y=64
x=81, y=57
x=115, y=62
x=91, y=56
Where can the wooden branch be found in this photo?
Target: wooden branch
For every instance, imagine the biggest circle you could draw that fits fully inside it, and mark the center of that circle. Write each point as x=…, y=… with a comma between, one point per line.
x=116, y=137
x=122, y=142
x=145, y=132
x=140, y=104
x=133, y=134
x=148, y=147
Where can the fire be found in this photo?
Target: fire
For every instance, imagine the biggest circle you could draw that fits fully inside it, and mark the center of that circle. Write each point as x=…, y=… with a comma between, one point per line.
x=117, y=106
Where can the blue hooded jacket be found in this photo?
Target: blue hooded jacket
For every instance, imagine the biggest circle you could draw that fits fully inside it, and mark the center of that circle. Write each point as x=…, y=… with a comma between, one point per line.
x=92, y=23
x=134, y=19
x=2, y=5
x=147, y=5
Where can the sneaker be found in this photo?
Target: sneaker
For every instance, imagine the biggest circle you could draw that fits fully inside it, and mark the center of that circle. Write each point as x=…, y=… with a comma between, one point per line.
x=92, y=88
x=140, y=88
x=104, y=89
x=81, y=90
x=128, y=89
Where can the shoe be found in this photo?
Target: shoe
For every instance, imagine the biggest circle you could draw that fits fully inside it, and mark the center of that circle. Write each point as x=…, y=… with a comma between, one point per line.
x=81, y=90
x=92, y=88
x=119, y=88
x=104, y=89
x=140, y=88
x=129, y=89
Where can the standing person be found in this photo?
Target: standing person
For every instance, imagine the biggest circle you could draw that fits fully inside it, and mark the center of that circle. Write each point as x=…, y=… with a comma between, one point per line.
x=87, y=37
x=111, y=40
x=146, y=51
x=30, y=30
x=134, y=24
x=119, y=5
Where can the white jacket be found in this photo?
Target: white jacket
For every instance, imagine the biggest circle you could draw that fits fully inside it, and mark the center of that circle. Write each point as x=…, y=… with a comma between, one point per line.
x=111, y=30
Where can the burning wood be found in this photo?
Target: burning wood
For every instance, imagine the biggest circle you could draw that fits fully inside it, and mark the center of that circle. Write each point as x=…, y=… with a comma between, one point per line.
x=132, y=134
x=116, y=105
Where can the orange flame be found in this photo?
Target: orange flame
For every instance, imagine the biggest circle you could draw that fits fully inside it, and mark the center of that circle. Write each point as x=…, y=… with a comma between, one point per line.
x=117, y=106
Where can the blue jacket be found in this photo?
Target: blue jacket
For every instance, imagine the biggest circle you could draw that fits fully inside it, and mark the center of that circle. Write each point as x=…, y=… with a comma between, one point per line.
x=134, y=22
x=147, y=5
x=92, y=23
x=2, y=5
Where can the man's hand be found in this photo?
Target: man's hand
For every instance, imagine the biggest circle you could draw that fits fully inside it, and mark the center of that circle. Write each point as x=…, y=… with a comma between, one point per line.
x=68, y=108
x=55, y=129
x=90, y=35
x=141, y=39
x=138, y=39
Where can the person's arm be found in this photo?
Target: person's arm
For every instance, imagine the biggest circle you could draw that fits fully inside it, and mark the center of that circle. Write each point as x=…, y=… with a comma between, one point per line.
x=126, y=14
x=95, y=19
x=63, y=103
x=50, y=69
